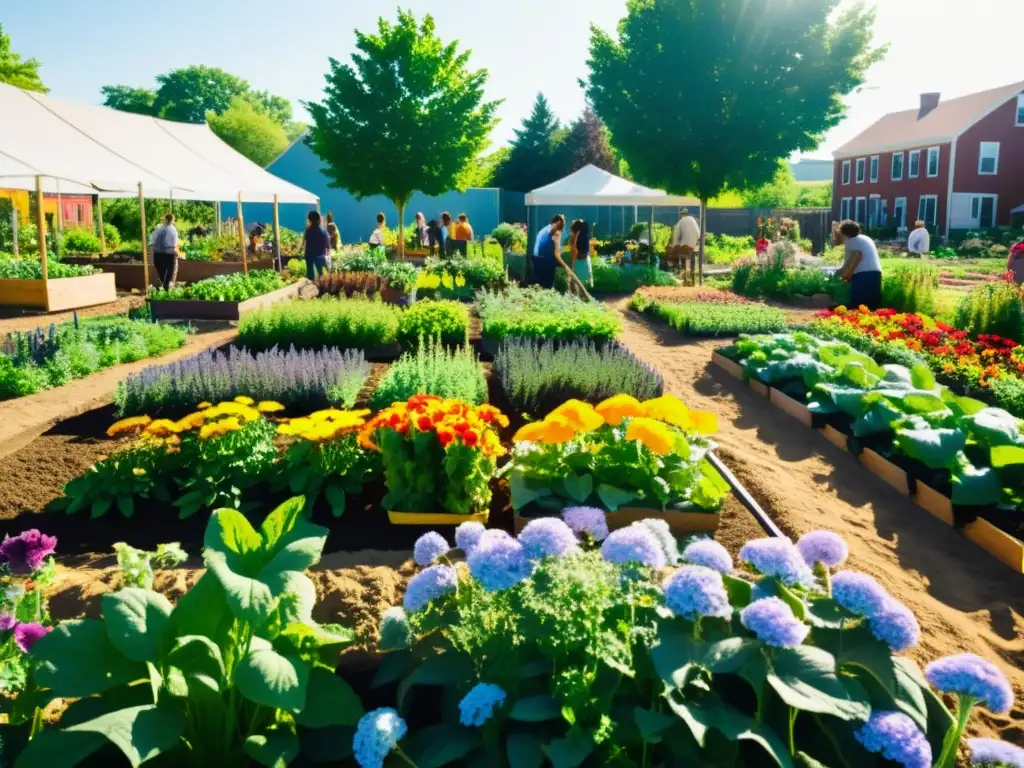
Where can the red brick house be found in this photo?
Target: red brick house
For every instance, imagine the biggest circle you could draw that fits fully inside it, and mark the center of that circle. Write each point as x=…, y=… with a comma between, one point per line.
x=956, y=164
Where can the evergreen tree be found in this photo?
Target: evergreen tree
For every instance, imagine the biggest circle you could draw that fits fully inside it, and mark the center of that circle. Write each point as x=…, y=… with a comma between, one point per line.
x=588, y=144
x=536, y=158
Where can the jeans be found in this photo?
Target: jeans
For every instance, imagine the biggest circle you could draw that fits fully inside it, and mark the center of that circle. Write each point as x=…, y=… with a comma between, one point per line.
x=166, y=268
x=866, y=289
x=317, y=264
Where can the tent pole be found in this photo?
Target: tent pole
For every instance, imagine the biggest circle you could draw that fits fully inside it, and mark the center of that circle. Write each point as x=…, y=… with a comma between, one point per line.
x=650, y=238
x=14, y=227
x=277, y=236
x=41, y=229
x=216, y=214
x=241, y=235
x=145, y=240
x=60, y=212
x=318, y=205
x=99, y=220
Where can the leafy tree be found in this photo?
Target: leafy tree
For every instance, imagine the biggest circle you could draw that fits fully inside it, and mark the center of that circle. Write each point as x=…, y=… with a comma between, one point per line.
x=480, y=172
x=407, y=113
x=588, y=144
x=815, y=195
x=278, y=108
x=536, y=158
x=780, y=192
x=127, y=98
x=253, y=133
x=186, y=95
x=16, y=71
x=728, y=88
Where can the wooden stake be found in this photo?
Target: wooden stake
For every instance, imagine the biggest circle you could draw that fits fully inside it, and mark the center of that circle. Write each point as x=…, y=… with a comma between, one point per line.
x=145, y=240
x=14, y=227
x=241, y=235
x=277, y=236
x=99, y=218
x=41, y=230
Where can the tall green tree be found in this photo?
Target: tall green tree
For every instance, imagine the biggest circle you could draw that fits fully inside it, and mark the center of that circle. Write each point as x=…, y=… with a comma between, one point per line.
x=127, y=98
x=536, y=158
x=701, y=95
x=780, y=192
x=253, y=133
x=480, y=172
x=588, y=143
x=16, y=71
x=187, y=94
x=407, y=113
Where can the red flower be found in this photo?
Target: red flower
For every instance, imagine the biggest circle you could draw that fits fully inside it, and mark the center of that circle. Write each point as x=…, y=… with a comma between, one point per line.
x=445, y=436
x=470, y=438
x=424, y=423
x=395, y=420
x=461, y=427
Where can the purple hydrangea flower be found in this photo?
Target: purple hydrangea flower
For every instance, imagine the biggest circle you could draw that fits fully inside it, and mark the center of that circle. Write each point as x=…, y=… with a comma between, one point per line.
x=548, y=537
x=773, y=622
x=427, y=585
x=823, y=547
x=896, y=737
x=895, y=625
x=499, y=563
x=710, y=554
x=27, y=635
x=7, y=623
x=968, y=675
x=478, y=706
x=634, y=544
x=664, y=536
x=587, y=520
x=467, y=536
x=992, y=752
x=779, y=559
x=859, y=593
x=429, y=547
x=695, y=591
x=25, y=552
x=377, y=734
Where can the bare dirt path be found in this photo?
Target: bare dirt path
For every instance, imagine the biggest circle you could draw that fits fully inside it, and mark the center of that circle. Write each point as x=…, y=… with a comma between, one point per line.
x=15, y=319
x=965, y=600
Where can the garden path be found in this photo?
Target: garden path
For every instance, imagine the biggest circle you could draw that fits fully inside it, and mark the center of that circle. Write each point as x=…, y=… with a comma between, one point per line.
x=965, y=600
x=14, y=319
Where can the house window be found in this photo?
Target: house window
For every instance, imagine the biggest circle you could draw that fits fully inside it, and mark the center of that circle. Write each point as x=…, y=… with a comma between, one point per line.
x=874, y=169
x=860, y=214
x=844, y=208
x=988, y=158
x=897, y=166
x=81, y=213
x=928, y=209
x=846, y=171
x=899, y=213
x=983, y=211
x=1020, y=110
x=861, y=165
x=874, y=206
x=933, y=162
x=915, y=164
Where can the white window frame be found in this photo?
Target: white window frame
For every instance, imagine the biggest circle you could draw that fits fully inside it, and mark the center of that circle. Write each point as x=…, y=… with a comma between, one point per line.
x=901, y=203
x=846, y=172
x=845, y=208
x=915, y=155
x=856, y=204
x=981, y=158
x=873, y=221
x=892, y=166
x=976, y=206
x=862, y=170
x=921, y=207
x=1019, y=122
x=873, y=174
x=938, y=162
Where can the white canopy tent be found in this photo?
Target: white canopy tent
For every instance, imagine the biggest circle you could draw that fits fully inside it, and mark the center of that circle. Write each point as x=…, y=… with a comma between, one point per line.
x=591, y=185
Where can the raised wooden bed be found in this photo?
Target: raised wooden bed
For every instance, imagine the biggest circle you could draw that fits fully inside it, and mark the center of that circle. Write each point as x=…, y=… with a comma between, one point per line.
x=787, y=404
x=885, y=470
x=940, y=506
x=732, y=368
x=59, y=294
x=128, y=276
x=221, y=310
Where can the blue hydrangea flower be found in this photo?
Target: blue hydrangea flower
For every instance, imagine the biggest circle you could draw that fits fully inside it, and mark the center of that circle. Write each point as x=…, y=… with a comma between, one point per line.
x=499, y=563
x=427, y=585
x=992, y=752
x=634, y=544
x=665, y=538
x=823, y=547
x=710, y=554
x=896, y=737
x=695, y=591
x=968, y=675
x=895, y=625
x=778, y=558
x=478, y=706
x=773, y=622
x=859, y=593
x=377, y=734
x=467, y=536
x=429, y=547
x=395, y=632
x=587, y=520
x=548, y=537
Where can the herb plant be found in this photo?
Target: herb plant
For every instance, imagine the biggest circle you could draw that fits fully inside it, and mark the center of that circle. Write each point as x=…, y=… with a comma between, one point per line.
x=343, y=323
x=234, y=287
x=433, y=369
x=701, y=319
x=540, y=313
x=447, y=321
x=137, y=565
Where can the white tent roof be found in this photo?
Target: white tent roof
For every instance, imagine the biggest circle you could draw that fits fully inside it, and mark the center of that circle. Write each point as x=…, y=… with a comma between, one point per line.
x=591, y=185
x=96, y=150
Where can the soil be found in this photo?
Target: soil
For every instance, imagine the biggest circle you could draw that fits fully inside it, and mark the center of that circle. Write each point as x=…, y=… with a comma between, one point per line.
x=21, y=319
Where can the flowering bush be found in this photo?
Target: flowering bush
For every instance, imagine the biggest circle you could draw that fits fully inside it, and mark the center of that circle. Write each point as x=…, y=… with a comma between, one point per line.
x=620, y=453
x=438, y=455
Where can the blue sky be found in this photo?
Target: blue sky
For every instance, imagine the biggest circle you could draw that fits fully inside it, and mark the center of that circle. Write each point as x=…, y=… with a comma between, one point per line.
x=952, y=46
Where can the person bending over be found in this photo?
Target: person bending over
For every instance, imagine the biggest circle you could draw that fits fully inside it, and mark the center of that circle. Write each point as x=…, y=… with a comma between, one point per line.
x=862, y=268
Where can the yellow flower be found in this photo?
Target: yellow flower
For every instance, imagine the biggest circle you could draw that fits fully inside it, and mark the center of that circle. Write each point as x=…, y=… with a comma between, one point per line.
x=131, y=424
x=652, y=434
x=204, y=405
x=219, y=428
x=553, y=430
x=619, y=407
x=269, y=406
x=190, y=422
x=294, y=426
x=704, y=422
x=245, y=400
x=161, y=428
x=581, y=415
x=138, y=471
x=670, y=410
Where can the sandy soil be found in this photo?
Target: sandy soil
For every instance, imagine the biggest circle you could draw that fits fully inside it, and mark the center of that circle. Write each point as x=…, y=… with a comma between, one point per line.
x=17, y=319
x=965, y=600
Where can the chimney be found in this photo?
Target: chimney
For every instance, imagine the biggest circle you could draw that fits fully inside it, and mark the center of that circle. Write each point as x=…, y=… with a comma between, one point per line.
x=929, y=101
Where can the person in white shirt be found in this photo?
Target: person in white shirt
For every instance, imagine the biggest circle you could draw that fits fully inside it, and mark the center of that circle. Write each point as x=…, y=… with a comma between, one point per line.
x=919, y=242
x=377, y=236
x=685, y=237
x=862, y=268
x=164, y=242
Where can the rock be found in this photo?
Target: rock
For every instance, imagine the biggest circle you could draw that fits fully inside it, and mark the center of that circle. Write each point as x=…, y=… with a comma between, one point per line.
x=309, y=291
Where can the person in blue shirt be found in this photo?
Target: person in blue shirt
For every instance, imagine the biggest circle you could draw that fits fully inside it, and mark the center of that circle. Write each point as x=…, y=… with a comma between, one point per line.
x=317, y=246
x=545, y=252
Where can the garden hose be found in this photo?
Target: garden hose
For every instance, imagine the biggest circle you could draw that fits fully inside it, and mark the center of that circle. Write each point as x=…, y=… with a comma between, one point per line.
x=745, y=498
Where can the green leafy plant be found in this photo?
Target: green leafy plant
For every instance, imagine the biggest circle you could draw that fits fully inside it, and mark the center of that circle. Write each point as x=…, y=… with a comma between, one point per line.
x=234, y=287
x=512, y=237
x=81, y=240
x=995, y=308
x=540, y=313
x=702, y=319
x=433, y=369
x=624, y=279
x=355, y=323
x=29, y=269
x=446, y=321
x=910, y=289
x=137, y=565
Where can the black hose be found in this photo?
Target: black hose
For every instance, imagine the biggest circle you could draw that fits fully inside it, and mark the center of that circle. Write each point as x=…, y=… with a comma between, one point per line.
x=746, y=499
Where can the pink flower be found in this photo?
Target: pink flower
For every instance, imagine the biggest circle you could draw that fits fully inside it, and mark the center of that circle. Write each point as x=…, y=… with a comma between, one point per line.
x=27, y=635
x=25, y=552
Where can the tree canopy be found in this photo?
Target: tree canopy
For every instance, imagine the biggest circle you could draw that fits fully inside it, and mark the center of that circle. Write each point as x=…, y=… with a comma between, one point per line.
x=127, y=98
x=16, y=71
x=253, y=133
x=187, y=94
x=781, y=192
x=535, y=158
x=588, y=144
x=406, y=114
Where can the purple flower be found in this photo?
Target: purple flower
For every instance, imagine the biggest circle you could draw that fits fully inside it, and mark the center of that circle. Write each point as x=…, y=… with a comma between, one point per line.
x=587, y=520
x=429, y=547
x=7, y=623
x=664, y=536
x=779, y=559
x=694, y=591
x=467, y=536
x=377, y=733
x=548, y=537
x=428, y=585
x=27, y=635
x=896, y=737
x=25, y=552
x=859, y=593
x=992, y=752
x=895, y=625
x=635, y=544
x=968, y=675
x=823, y=547
x=477, y=706
x=710, y=554
x=773, y=622
x=499, y=562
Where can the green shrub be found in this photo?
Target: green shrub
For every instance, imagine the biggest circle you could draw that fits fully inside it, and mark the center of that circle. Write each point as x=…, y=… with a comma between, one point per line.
x=81, y=240
x=444, y=320
x=129, y=246
x=725, y=249
x=705, y=319
x=625, y=279
x=511, y=237
x=1008, y=393
x=355, y=323
x=112, y=236
x=910, y=289
x=996, y=308
x=776, y=282
x=433, y=369
x=545, y=314
x=233, y=287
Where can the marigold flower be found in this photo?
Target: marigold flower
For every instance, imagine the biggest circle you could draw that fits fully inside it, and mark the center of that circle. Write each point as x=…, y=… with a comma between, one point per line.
x=619, y=407
x=190, y=422
x=269, y=406
x=652, y=434
x=160, y=428
x=245, y=400
x=581, y=415
x=129, y=425
x=424, y=423
x=470, y=438
x=445, y=437
x=704, y=422
x=220, y=428
x=553, y=430
x=204, y=405
x=670, y=410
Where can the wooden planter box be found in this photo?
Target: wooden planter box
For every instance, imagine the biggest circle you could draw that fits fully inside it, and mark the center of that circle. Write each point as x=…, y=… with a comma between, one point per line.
x=734, y=369
x=128, y=277
x=934, y=502
x=885, y=470
x=834, y=436
x=221, y=310
x=1000, y=545
x=757, y=386
x=785, y=403
x=434, y=518
x=680, y=523
x=60, y=294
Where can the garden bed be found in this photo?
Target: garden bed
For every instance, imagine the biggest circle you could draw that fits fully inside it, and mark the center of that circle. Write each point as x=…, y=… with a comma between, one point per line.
x=59, y=294
x=178, y=309
x=128, y=276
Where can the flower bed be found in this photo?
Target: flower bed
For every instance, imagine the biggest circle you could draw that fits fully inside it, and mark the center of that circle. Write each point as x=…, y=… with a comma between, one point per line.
x=433, y=369
x=545, y=314
x=713, y=318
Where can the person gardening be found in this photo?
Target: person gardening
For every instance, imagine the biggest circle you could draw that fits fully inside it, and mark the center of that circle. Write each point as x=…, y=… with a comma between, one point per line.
x=317, y=244
x=580, y=264
x=685, y=239
x=164, y=242
x=920, y=241
x=862, y=268
x=1015, y=263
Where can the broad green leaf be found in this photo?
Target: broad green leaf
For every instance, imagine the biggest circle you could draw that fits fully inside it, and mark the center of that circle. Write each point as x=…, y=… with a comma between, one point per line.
x=730, y=655
x=571, y=751
x=1004, y=456
x=230, y=534
x=141, y=733
x=935, y=448
x=336, y=498
x=249, y=599
x=940, y=719
x=393, y=667
x=523, y=491
x=536, y=709
x=450, y=668
x=740, y=591
x=329, y=701
x=651, y=723
x=613, y=497
x=975, y=486
x=857, y=375
x=266, y=677
x=827, y=614
x=579, y=487
x=325, y=745
x=137, y=622
x=290, y=541
x=676, y=654
x=922, y=402
x=805, y=678
x=524, y=750
x=849, y=400
x=275, y=749
x=53, y=748
x=862, y=651
x=702, y=716
x=921, y=376
x=200, y=663
x=442, y=744
x=77, y=659
x=898, y=375
x=806, y=761
x=994, y=427
x=203, y=610
x=295, y=592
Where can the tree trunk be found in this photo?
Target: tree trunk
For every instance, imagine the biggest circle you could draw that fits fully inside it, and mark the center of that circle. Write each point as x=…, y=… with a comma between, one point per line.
x=401, y=230
x=700, y=253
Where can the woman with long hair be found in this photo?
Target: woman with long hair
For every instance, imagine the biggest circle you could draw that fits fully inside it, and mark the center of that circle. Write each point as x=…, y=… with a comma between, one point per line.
x=317, y=246
x=580, y=263
x=421, y=230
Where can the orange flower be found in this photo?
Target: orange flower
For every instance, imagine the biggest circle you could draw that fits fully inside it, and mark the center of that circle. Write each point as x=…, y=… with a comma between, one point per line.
x=581, y=415
x=190, y=422
x=669, y=409
x=129, y=425
x=554, y=430
x=653, y=434
x=704, y=422
x=619, y=407
x=470, y=438
x=161, y=428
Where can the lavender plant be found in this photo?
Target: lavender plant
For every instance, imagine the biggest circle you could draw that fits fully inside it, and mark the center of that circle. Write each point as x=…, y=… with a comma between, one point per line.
x=307, y=380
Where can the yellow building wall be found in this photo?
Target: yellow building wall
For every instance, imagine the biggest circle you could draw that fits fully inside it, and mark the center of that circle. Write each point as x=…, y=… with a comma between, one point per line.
x=20, y=200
